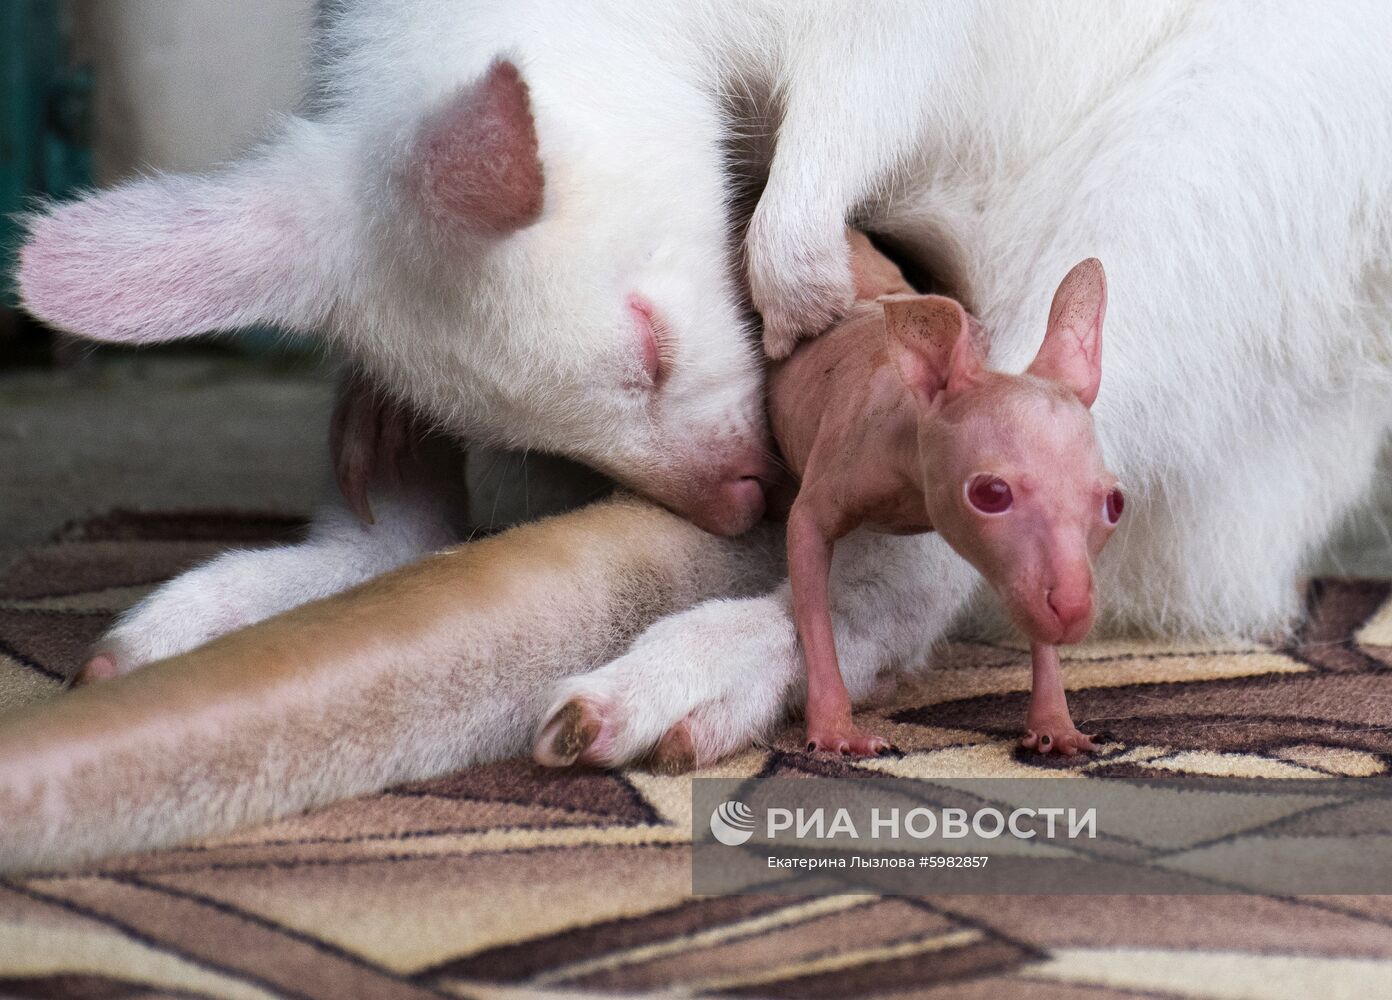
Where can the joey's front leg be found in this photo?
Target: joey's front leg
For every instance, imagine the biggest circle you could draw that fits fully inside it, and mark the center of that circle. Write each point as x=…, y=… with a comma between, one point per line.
x=829, y=725
x=1049, y=726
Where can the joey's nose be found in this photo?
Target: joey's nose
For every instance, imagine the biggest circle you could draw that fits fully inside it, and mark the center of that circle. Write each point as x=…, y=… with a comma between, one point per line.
x=1073, y=609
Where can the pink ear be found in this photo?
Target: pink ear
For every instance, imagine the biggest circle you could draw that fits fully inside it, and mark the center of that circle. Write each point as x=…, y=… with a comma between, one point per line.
x=930, y=340
x=1072, y=348
x=475, y=162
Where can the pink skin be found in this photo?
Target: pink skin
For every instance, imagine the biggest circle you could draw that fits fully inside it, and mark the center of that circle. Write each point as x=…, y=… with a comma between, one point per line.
x=478, y=164
x=369, y=436
x=890, y=418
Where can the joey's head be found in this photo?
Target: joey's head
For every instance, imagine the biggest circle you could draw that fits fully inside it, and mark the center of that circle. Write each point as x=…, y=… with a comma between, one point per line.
x=1013, y=475
x=526, y=268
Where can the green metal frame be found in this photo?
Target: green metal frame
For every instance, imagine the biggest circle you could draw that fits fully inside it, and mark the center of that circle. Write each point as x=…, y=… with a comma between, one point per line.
x=44, y=116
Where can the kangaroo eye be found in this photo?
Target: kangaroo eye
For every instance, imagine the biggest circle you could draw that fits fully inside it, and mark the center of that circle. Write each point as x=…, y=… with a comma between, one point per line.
x=989, y=494
x=652, y=334
x=1113, y=506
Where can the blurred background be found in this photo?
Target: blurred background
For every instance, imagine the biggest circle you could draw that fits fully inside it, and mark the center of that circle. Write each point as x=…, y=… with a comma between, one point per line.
x=93, y=92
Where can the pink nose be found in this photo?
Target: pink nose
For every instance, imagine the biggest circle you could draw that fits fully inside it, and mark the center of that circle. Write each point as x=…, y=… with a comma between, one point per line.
x=734, y=501
x=743, y=500
x=1073, y=609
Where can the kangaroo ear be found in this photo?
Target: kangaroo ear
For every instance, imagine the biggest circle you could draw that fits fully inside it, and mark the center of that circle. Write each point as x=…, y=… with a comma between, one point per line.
x=473, y=164
x=1072, y=350
x=930, y=340
x=172, y=257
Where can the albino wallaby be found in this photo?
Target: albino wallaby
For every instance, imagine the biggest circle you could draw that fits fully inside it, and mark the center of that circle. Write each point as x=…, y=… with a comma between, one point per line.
x=1235, y=172
x=891, y=420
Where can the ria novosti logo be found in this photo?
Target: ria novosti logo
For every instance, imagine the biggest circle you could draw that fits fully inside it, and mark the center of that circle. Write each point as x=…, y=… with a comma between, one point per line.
x=732, y=823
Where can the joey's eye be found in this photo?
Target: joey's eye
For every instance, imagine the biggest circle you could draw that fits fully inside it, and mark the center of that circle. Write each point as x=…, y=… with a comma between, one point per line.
x=989, y=494
x=1113, y=505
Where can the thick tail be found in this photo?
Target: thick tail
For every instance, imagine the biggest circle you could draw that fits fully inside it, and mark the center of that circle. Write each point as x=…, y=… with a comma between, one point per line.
x=434, y=666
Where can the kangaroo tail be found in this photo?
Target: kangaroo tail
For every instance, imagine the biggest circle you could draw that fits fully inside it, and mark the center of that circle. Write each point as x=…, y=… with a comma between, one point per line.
x=437, y=665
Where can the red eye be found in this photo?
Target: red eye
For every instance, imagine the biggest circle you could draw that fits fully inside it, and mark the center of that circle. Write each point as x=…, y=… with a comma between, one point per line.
x=1113, y=506
x=989, y=494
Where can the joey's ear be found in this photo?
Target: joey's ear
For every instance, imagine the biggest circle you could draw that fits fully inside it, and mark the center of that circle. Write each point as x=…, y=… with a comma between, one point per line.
x=1072, y=348
x=172, y=257
x=874, y=274
x=473, y=164
x=930, y=341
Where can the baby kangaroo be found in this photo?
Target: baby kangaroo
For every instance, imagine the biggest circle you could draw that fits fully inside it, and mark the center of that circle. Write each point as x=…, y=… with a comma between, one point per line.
x=891, y=421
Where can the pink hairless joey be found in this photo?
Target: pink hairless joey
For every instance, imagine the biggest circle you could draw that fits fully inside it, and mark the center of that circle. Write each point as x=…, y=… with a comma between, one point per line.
x=891, y=421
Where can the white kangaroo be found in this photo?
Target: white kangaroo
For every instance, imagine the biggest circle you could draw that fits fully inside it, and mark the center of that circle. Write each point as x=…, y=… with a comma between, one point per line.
x=1232, y=166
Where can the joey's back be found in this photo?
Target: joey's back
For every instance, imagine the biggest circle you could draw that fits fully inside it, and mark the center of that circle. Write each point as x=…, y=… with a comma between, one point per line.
x=848, y=429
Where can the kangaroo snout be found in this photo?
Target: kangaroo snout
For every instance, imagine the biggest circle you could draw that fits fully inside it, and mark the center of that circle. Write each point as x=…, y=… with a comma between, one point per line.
x=732, y=501
x=725, y=497
x=1072, y=612
x=1055, y=614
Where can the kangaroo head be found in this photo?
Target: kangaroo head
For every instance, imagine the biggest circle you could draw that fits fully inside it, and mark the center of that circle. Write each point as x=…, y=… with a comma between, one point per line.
x=1013, y=475
x=488, y=254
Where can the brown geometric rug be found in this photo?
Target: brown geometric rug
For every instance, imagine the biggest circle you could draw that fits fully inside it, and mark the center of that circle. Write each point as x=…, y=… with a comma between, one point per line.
x=508, y=880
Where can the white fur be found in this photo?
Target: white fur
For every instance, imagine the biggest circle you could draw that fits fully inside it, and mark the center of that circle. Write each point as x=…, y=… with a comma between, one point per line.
x=240, y=588
x=730, y=669
x=1231, y=166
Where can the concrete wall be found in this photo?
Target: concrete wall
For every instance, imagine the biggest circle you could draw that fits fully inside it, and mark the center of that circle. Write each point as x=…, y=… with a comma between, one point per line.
x=185, y=84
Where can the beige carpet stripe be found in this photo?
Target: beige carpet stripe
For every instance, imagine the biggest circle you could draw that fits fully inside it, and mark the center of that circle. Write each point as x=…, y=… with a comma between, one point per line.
x=397, y=848
x=973, y=682
x=232, y=942
x=1217, y=975
x=32, y=950
x=846, y=960
x=706, y=939
x=1377, y=631
x=1140, y=648
x=21, y=686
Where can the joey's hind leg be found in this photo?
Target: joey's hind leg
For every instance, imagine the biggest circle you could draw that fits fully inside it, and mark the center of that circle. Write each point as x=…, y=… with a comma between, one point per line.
x=1049, y=725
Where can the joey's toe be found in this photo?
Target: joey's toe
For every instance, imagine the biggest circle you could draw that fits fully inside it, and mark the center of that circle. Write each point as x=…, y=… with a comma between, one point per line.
x=847, y=742
x=1063, y=740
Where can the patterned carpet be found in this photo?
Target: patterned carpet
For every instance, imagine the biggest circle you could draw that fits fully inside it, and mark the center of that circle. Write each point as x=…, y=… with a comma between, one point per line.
x=508, y=881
